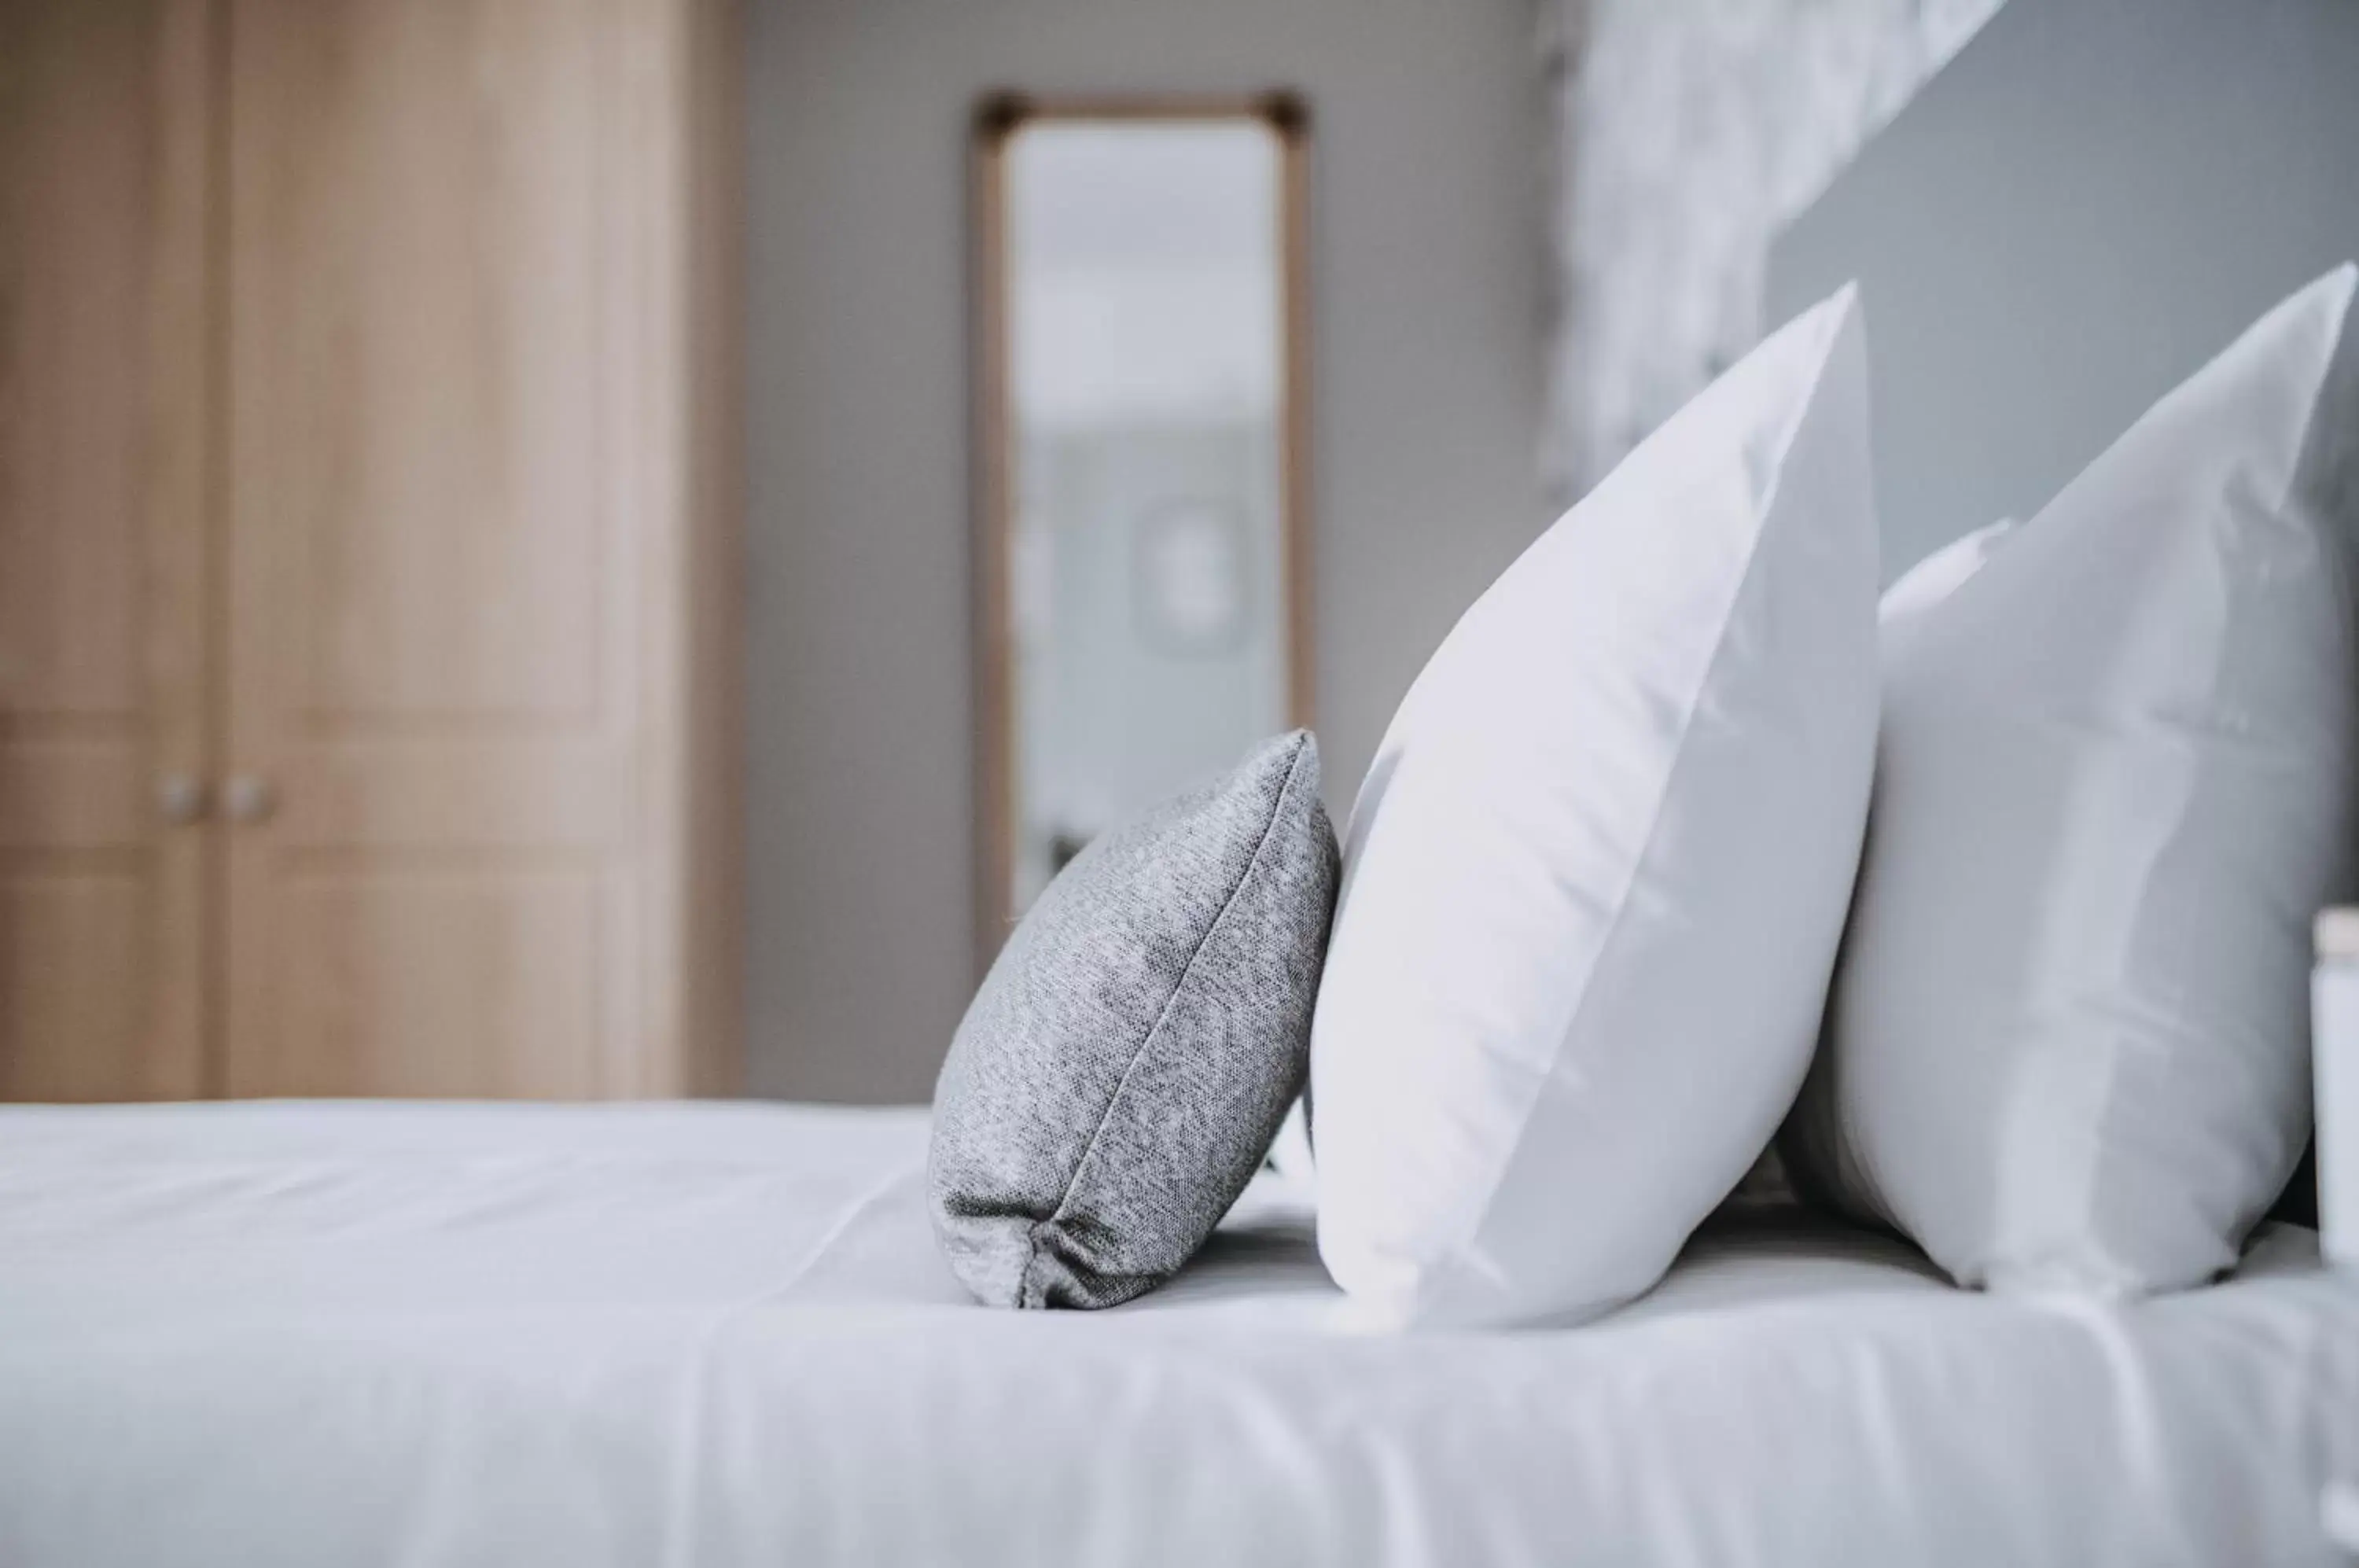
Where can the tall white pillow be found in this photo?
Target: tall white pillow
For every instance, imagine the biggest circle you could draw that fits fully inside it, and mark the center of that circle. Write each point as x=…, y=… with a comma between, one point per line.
x=2069, y=1038
x=1596, y=879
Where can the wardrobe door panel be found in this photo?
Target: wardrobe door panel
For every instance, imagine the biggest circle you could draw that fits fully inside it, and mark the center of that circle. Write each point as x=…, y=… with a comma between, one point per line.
x=409, y=973
x=106, y=316
x=435, y=562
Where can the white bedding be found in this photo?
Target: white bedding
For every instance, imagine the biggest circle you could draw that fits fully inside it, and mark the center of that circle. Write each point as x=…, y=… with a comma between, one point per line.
x=706, y=1334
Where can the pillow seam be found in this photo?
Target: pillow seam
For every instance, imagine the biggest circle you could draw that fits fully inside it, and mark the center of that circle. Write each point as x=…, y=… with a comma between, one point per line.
x=1156, y=1031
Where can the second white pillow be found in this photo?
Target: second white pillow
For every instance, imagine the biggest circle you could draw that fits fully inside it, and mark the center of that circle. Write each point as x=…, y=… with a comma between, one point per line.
x=2068, y=1043
x=1596, y=879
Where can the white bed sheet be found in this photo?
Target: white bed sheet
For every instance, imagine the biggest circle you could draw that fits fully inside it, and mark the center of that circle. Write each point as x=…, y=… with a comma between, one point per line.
x=434, y=1336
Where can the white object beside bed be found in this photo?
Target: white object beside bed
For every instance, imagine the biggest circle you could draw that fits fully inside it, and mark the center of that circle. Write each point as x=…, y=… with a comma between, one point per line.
x=290, y=1333
x=2334, y=1053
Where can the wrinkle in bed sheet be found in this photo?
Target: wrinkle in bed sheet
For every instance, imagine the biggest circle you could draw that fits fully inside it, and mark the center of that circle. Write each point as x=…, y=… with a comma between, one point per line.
x=720, y=1335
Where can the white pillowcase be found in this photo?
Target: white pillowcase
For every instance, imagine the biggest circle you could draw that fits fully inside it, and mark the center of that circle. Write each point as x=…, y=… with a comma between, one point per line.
x=1934, y=579
x=1595, y=881
x=1810, y=1159
x=2069, y=1038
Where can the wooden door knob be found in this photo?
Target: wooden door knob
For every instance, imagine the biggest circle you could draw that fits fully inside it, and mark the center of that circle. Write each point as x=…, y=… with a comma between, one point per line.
x=249, y=798
x=180, y=798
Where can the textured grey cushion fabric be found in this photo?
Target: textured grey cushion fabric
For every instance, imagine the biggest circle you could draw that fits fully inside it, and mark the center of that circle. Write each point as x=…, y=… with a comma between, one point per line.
x=1129, y=1059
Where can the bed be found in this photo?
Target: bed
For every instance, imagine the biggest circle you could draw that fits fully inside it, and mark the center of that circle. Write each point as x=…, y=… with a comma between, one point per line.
x=443, y=1334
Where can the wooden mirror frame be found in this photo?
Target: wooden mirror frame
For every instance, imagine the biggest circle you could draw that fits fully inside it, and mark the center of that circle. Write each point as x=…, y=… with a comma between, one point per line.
x=997, y=117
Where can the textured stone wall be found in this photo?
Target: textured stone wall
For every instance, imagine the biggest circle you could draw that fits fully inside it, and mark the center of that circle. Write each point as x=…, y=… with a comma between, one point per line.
x=1687, y=132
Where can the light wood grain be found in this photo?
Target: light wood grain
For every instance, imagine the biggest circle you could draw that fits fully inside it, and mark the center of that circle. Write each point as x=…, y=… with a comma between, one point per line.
x=368, y=429
x=105, y=328
x=992, y=533
x=471, y=515
x=672, y=308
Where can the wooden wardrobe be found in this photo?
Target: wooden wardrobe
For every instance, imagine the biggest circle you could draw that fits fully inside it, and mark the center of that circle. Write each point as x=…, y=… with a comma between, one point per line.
x=367, y=719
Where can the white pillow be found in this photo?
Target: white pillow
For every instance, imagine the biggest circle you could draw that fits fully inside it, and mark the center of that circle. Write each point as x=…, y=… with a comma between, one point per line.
x=1808, y=1158
x=2069, y=1038
x=1596, y=879
x=1934, y=579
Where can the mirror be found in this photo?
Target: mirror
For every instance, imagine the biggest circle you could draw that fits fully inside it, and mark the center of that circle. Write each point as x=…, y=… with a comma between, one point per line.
x=1141, y=553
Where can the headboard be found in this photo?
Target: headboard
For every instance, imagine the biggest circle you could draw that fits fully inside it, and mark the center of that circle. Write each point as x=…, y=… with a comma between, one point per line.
x=2091, y=201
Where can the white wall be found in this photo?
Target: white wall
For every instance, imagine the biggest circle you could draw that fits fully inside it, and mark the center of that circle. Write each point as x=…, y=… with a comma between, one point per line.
x=1429, y=208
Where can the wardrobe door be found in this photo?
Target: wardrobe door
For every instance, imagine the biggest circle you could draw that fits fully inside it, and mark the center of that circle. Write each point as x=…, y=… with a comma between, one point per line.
x=438, y=560
x=103, y=313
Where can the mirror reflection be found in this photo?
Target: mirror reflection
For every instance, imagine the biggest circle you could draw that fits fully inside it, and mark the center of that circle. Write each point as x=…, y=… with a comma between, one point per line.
x=1147, y=490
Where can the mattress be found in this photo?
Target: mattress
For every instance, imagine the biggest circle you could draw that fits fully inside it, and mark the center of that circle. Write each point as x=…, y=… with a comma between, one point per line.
x=432, y=1336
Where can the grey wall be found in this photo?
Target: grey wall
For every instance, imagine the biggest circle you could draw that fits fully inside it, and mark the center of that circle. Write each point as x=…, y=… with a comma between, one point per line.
x=2093, y=199
x=1428, y=206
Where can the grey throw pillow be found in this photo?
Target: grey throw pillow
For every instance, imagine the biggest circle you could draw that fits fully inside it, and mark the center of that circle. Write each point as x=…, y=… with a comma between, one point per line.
x=1124, y=1067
